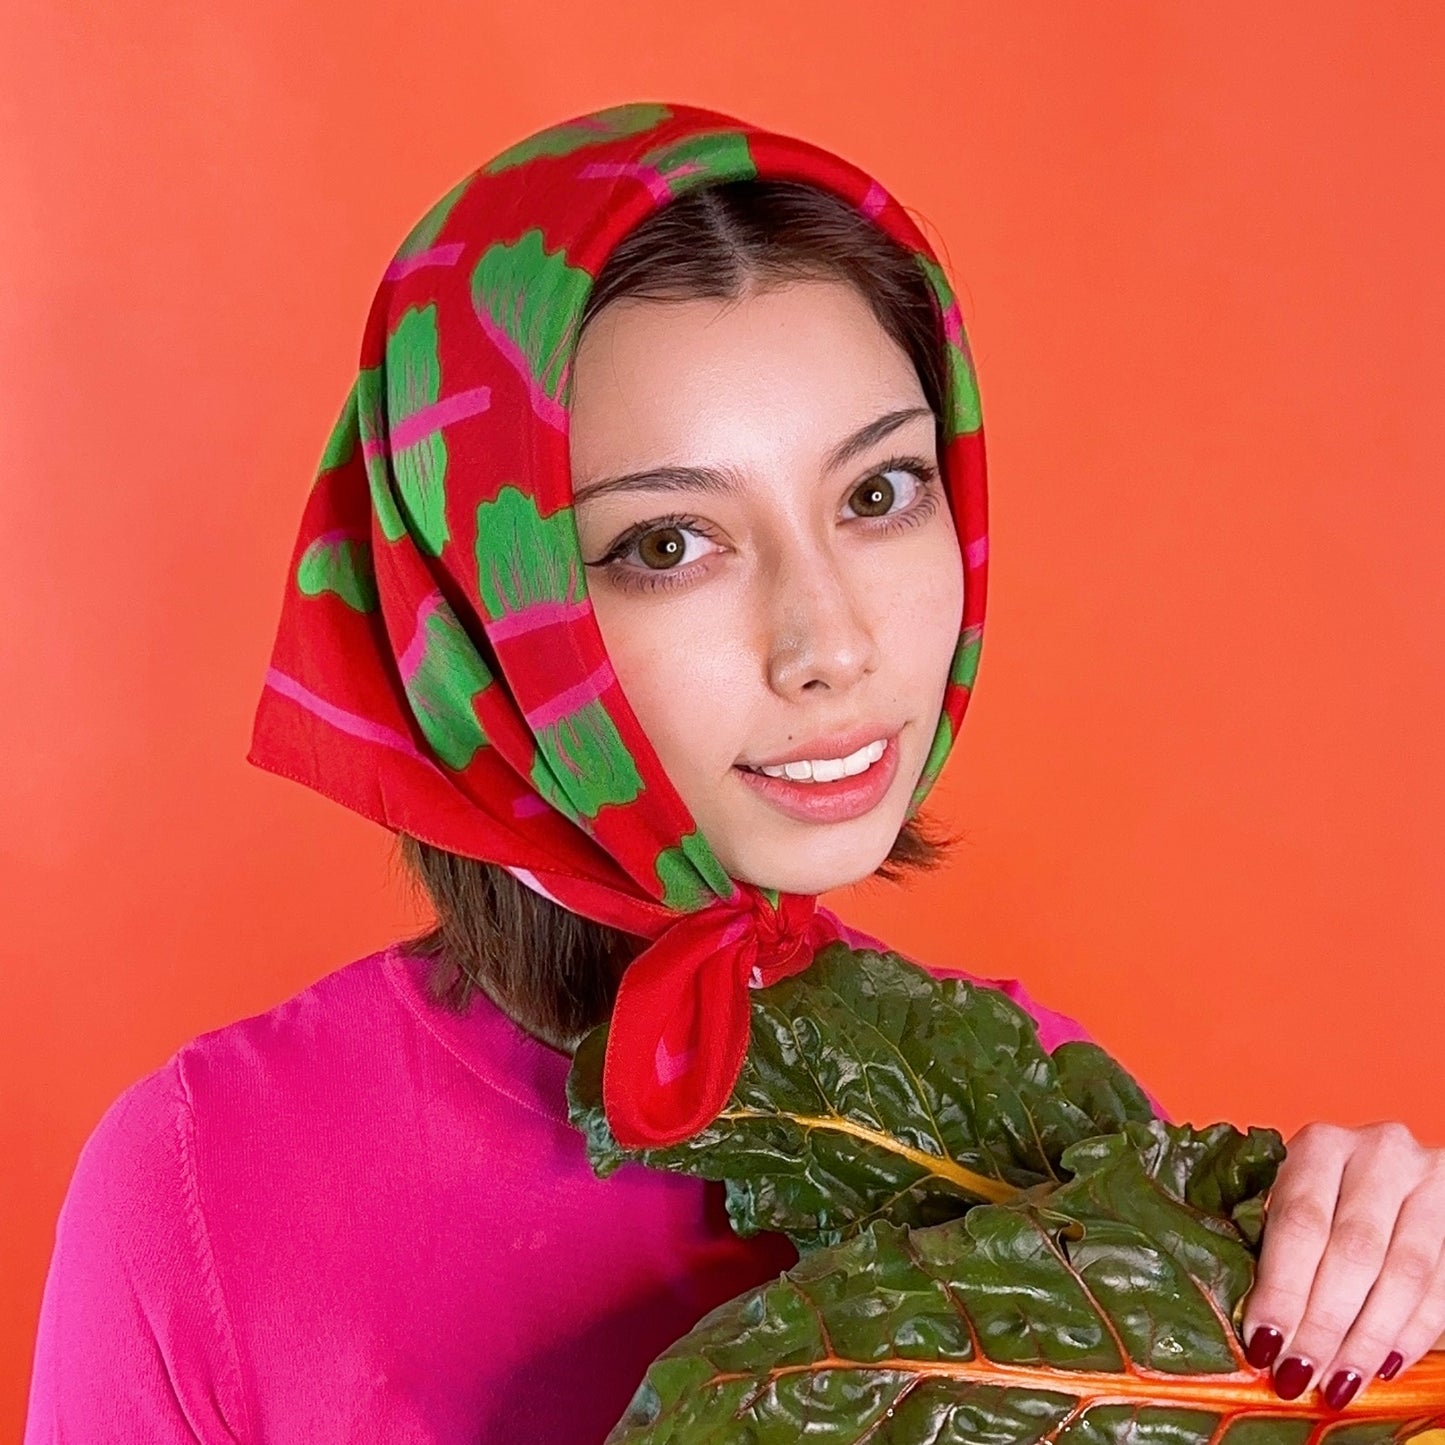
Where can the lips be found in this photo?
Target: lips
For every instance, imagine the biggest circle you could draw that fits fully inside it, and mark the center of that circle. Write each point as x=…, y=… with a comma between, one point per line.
x=835, y=802
x=835, y=745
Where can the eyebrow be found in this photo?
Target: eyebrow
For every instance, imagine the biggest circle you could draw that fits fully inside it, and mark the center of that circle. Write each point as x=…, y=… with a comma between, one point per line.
x=722, y=480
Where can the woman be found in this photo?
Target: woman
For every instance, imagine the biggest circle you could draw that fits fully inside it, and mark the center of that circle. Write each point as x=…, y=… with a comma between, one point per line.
x=640, y=593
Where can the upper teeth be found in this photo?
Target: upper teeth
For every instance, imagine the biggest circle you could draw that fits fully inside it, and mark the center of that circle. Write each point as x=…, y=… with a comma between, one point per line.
x=825, y=770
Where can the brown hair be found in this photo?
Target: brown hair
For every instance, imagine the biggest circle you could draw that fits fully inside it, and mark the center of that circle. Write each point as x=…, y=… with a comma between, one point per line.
x=554, y=972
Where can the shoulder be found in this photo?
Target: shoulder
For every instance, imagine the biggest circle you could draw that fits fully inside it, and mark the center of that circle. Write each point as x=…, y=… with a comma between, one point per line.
x=133, y=1339
x=327, y=1032
x=130, y=1163
x=137, y=1336
x=141, y=1161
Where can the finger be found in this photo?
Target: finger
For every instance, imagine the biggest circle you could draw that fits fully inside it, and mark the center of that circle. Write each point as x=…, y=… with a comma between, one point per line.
x=1406, y=1306
x=1425, y=1324
x=1298, y=1214
x=1380, y=1171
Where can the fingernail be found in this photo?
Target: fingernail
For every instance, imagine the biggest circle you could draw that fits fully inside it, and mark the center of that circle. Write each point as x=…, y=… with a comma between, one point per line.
x=1263, y=1346
x=1392, y=1364
x=1291, y=1375
x=1341, y=1388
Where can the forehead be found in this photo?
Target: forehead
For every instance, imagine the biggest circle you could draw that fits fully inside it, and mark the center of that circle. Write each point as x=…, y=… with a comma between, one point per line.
x=795, y=364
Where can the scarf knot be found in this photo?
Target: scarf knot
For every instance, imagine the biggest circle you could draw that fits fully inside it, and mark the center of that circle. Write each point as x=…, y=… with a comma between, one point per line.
x=680, y=1023
x=774, y=940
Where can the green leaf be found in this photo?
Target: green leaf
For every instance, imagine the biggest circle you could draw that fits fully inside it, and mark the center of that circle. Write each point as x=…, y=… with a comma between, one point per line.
x=998, y=1244
x=873, y=1090
x=1100, y=1309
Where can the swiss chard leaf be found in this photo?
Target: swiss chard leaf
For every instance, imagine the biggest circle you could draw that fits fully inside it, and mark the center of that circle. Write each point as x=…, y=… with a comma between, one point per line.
x=874, y=1090
x=1099, y=1309
x=998, y=1244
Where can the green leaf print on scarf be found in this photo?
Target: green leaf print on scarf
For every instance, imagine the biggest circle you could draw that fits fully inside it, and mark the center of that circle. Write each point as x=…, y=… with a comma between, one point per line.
x=444, y=686
x=965, y=656
x=530, y=301
x=571, y=135
x=341, y=565
x=413, y=383
x=341, y=444
x=371, y=425
x=961, y=673
x=523, y=558
x=583, y=763
x=423, y=235
x=692, y=877
x=933, y=763
x=703, y=160
x=964, y=413
x=545, y=780
x=529, y=563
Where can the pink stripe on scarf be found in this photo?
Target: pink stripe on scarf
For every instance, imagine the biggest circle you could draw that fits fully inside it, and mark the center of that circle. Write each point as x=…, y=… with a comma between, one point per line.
x=339, y=717
x=421, y=424
x=570, y=699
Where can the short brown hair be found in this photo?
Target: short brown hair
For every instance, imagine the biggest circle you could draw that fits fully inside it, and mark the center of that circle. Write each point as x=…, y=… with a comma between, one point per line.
x=553, y=971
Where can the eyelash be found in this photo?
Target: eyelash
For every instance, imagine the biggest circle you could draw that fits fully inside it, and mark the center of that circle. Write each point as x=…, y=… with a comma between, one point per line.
x=652, y=579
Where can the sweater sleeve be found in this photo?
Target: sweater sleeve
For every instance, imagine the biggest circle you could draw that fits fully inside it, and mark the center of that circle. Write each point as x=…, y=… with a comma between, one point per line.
x=134, y=1343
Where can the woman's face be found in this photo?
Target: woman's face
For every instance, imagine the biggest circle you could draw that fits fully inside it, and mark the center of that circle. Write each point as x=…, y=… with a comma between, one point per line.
x=783, y=581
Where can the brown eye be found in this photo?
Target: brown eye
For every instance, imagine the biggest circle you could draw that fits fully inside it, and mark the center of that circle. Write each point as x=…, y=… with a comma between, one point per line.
x=873, y=498
x=662, y=548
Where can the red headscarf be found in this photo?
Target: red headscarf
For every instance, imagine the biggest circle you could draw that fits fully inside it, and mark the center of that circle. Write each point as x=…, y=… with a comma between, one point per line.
x=438, y=667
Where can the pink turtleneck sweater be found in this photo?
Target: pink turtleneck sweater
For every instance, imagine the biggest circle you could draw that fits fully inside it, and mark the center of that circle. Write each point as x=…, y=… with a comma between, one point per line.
x=359, y=1217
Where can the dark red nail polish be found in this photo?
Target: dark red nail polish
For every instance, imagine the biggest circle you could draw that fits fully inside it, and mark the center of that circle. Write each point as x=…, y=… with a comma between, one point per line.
x=1341, y=1388
x=1291, y=1376
x=1392, y=1364
x=1263, y=1346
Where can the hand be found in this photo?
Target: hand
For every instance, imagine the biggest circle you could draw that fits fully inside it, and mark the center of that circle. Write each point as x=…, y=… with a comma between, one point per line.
x=1351, y=1273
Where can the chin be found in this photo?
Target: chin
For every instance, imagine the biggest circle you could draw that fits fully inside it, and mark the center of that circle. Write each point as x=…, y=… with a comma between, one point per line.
x=801, y=867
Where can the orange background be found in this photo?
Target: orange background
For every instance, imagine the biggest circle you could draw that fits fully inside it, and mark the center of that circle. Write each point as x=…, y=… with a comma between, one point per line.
x=1199, y=254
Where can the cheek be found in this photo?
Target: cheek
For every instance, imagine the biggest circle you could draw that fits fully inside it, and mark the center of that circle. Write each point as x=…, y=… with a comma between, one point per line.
x=919, y=630
x=679, y=668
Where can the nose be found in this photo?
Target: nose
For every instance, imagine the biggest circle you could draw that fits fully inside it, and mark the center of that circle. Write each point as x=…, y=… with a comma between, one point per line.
x=819, y=623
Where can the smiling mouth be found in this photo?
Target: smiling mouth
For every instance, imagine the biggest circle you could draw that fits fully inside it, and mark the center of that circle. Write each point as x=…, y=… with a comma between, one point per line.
x=825, y=770
x=840, y=799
